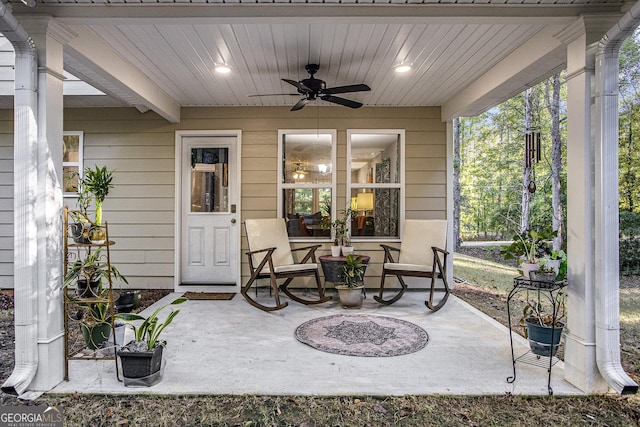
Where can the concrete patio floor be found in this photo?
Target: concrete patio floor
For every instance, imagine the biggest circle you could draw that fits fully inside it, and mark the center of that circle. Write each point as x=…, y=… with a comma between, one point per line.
x=229, y=347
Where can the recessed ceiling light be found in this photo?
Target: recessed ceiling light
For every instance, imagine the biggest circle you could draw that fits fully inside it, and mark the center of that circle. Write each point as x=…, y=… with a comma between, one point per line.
x=402, y=67
x=223, y=69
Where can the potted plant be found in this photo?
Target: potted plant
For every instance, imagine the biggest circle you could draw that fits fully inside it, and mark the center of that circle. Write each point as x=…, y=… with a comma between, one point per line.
x=97, y=182
x=88, y=274
x=526, y=247
x=543, y=334
x=553, y=267
x=350, y=291
x=142, y=357
x=81, y=226
x=96, y=324
x=340, y=230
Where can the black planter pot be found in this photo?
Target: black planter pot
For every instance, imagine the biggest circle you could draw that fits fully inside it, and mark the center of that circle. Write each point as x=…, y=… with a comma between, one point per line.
x=540, y=339
x=80, y=232
x=125, y=302
x=142, y=367
x=88, y=289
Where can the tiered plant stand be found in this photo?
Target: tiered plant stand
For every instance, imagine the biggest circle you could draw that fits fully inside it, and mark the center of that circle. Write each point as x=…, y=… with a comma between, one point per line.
x=76, y=250
x=543, y=289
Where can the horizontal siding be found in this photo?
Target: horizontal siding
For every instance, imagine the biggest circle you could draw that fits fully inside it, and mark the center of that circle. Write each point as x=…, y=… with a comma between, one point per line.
x=141, y=149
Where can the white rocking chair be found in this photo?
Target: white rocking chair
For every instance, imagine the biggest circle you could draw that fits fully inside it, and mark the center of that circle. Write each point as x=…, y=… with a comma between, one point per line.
x=422, y=254
x=270, y=256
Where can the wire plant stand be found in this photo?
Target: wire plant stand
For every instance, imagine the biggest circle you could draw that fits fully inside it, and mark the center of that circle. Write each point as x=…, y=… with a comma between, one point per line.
x=547, y=290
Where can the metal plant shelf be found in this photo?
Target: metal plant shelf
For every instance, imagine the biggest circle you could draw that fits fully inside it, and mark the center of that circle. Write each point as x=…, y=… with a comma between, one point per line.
x=547, y=289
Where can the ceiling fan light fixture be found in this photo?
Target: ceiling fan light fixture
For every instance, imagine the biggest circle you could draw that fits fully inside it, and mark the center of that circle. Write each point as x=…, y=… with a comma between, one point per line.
x=222, y=68
x=402, y=67
x=298, y=173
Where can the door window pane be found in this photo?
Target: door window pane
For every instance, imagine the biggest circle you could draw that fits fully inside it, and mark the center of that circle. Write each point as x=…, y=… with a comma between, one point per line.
x=209, y=180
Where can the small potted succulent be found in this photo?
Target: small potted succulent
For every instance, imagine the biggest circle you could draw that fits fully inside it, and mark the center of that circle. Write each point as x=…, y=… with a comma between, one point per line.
x=142, y=357
x=350, y=290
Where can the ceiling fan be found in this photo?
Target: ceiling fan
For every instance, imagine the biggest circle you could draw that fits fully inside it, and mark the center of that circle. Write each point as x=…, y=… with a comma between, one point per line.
x=312, y=89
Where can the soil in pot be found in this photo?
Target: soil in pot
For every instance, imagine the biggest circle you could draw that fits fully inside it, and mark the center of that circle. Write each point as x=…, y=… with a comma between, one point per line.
x=540, y=339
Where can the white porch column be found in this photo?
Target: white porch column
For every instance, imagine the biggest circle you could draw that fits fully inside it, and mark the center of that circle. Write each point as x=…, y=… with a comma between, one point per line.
x=49, y=38
x=580, y=353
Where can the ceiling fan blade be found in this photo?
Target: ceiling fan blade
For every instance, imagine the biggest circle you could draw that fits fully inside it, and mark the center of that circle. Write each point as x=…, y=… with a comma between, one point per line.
x=341, y=101
x=300, y=104
x=299, y=85
x=274, y=94
x=346, y=89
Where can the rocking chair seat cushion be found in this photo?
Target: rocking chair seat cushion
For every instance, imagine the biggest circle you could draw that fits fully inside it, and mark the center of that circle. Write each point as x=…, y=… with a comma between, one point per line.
x=407, y=267
x=291, y=268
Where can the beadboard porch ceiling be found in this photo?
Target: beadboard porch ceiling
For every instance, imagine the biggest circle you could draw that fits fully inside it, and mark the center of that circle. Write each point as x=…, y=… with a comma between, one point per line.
x=174, y=47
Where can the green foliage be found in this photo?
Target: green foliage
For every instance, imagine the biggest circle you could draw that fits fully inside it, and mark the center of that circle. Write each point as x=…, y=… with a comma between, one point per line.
x=491, y=168
x=528, y=246
x=352, y=271
x=339, y=227
x=92, y=267
x=150, y=329
x=98, y=182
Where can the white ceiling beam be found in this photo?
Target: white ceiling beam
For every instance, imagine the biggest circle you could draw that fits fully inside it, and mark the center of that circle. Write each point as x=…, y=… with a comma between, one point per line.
x=537, y=59
x=103, y=60
x=388, y=13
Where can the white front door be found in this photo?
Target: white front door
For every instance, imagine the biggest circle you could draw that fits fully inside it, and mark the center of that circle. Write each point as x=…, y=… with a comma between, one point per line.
x=209, y=232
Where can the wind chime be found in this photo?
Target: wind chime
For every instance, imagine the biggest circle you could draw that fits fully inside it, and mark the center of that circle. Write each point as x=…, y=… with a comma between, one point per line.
x=532, y=149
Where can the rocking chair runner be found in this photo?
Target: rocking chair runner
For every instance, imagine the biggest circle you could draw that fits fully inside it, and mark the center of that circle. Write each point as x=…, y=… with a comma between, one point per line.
x=421, y=255
x=271, y=257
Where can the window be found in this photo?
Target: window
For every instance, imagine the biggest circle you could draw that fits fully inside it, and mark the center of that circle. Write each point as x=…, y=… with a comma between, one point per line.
x=71, y=161
x=306, y=184
x=375, y=161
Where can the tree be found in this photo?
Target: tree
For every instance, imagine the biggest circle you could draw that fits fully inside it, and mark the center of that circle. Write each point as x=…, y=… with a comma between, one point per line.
x=456, y=183
x=553, y=107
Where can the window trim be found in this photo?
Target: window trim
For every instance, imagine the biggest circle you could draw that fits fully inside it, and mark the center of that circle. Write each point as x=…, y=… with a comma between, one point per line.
x=79, y=163
x=400, y=186
x=283, y=186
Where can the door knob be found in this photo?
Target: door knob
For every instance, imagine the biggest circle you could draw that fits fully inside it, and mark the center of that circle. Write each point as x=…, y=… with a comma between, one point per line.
x=233, y=220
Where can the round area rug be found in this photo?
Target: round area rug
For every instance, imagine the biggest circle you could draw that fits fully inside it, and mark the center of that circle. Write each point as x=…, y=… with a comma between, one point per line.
x=362, y=335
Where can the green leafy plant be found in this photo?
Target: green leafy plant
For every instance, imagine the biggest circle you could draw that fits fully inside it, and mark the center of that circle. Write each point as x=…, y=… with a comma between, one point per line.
x=97, y=182
x=528, y=247
x=339, y=227
x=352, y=271
x=540, y=311
x=148, y=332
x=93, y=267
x=84, y=199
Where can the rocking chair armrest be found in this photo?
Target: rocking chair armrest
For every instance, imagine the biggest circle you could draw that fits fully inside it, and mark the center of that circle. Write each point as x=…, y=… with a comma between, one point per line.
x=310, y=255
x=314, y=247
x=442, y=251
x=387, y=252
x=259, y=251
